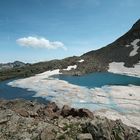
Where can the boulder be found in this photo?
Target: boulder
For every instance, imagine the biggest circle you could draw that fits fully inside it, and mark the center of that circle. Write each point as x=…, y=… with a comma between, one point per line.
x=86, y=136
x=85, y=113
x=52, y=106
x=22, y=112
x=3, y=121
x=33, y=114
x=51, y=110
x=50, y=113
x=74, y=112
x=47, y=134
x=68, y=111
x=65, y=111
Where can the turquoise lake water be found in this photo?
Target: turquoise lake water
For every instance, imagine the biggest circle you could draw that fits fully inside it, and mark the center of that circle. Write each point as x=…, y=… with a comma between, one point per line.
x=99, y=79
x=90, y=81
x=8, y=92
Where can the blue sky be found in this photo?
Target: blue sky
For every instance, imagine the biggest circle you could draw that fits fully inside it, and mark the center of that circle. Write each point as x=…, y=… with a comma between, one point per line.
x=78, y=25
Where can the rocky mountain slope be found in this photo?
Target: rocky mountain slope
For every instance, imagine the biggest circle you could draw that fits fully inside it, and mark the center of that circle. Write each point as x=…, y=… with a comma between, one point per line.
x=16, y=64
x=26, y=120
x=126, y=49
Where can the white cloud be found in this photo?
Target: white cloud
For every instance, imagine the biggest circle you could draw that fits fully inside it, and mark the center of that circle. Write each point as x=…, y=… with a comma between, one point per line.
x=36, y=42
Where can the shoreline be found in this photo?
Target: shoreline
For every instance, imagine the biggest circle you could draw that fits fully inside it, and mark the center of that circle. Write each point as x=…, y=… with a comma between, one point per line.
x=21, y=119
x=63, y=92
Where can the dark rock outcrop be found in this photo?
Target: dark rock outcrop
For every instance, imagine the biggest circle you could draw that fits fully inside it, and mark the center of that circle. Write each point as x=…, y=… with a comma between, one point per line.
x=68, y=111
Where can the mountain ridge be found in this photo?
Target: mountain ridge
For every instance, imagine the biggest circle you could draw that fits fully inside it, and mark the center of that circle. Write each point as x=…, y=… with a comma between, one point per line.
x=125, y=49
x=11, y=65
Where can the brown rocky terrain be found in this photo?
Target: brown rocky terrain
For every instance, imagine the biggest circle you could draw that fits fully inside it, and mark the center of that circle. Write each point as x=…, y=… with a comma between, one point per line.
x=27, y=120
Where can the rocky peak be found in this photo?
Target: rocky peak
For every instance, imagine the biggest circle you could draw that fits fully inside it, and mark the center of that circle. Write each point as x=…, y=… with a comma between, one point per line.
x=18, y=64
x=136, y=26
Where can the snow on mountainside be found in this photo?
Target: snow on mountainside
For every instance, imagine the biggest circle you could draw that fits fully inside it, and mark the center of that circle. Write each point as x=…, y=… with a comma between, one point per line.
x=124, y=52
x=135, y=47
x=118, y=67
x=122, y=56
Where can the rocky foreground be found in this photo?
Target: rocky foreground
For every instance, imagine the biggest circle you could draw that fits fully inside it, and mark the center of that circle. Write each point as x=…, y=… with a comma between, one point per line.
x=27, y=120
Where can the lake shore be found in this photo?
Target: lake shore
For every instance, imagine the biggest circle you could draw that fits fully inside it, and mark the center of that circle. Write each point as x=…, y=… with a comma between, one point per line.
x=126, y=108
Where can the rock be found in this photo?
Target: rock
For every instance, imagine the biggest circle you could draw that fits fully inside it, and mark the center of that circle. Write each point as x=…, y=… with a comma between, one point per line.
x=42, y=126
x=33, y=114
x=3, y=121
x=95, y=130
x=51, y=110
x=74, y=112
x=53, y=107
x=86, y=136
x=22, y=112
x=65, y=111
x=85, y=113
x=105, y=129
x=68, y=111
x=47, y=134
x=50, y=113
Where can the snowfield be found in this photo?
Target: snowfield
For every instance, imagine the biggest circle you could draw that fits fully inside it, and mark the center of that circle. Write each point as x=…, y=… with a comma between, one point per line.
x=135, y=47
x=118, y=67
x=71, y=67
x=82, y=60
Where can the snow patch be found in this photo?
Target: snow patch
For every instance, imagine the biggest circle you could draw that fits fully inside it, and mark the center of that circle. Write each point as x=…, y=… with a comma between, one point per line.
x=82, y=60
x=135, y=47
x=118, y=67
x=71, y=67
x=127, y=45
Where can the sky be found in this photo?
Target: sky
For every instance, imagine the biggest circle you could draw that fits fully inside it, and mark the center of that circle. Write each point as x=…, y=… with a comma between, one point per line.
x=41, y=30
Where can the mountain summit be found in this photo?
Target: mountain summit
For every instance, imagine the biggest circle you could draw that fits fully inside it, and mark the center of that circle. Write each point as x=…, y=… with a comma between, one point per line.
x=136, y=26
